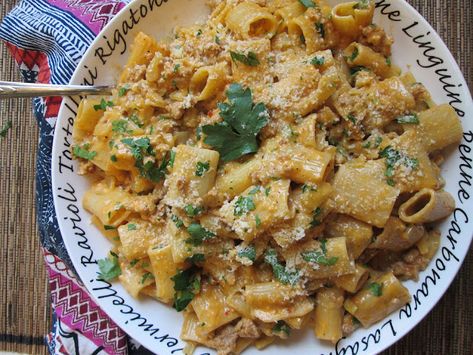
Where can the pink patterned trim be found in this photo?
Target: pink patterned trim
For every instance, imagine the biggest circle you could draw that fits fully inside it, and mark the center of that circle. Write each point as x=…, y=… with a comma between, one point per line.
x=75, y=308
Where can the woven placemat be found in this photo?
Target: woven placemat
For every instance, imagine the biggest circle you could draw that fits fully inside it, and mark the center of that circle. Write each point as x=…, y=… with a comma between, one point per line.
x=25, y=311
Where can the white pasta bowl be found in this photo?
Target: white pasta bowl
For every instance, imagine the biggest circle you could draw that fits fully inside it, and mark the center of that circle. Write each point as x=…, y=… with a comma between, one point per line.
x=417, y=48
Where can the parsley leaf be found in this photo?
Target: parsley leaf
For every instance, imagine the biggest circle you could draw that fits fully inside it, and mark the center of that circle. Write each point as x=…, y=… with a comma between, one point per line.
x=388, y=61
x=109, y=267
x=201, y=168
x=196, y=258
x=146, y=276
x=394, y=157
x=307, y=187
x=376, y=289
x=317, y=60
x=131, y=226
x=243, y=205
x=307, y=3
x=351, y=118
x=140, y=148
x=257, y=221
x=120, y=126
x=354, y=54
x=123, y=90
x=108, y=228
x=409, y=119
x=242, y=121
x=83, y=152
x=362, y=4
x=134, y=118
x=198, y=234
x=250, y=59
x=248, y=252
x=280, y=273
x=103, y=105
x=5, y=129
x=172, y=157
x=319, y=256
x=357, y=69
x=186, y=286
x=192, y=211
x=319, y=26
x=315, y=217
x=281, y=327
x=177, y=221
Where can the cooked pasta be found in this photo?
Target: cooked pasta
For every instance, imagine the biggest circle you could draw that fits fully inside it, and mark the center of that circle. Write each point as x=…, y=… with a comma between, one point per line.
x=267, y=171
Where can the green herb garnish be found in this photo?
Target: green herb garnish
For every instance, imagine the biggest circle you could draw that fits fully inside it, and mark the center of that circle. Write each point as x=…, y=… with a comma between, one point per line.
x=362, y=4
x=243, y=205
x=123, y=90
x=109, y=267
x=242, y=121
x=198, y=234
x=177, y=221
x=192, y=211
x=131, y=226
x=280, y=272
x=394, y=157
x=307, y=3
x=408, y=119
x=319, y=256
x=103, y=105
x=83, y=152
x=376, y=289
x=319, y=26
x=196, y=258
x=250, y=59
x=120, y=126
x=354, y=54
x=108, y=228
x=257, y=221
x=201, y=168
x=186, y=286
x=281, y=327
x=248, y=252
x=5, y=129
x=315, y=217
x=146, y=276
x=317, y=60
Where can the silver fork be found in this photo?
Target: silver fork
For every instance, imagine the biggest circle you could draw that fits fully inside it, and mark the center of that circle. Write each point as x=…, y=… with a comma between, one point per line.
x=9, y=90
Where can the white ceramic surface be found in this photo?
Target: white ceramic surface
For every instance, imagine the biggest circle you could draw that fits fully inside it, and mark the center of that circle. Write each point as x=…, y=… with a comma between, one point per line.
x=156, y=326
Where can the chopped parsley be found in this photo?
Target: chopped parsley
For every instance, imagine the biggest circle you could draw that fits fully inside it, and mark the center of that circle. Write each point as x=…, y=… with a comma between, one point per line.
x=186, y=286
x=113, y=158
x=242, y=121
x=120, y=126
x=394, y=157
x=192, y=211
x=354, y=54
x=408, y=119
x=198, y=234
x=172, y=158
x=83, y=152
x=217, y=40
x=319, y=256
x=254, y=190
x=196, y=258
x=199, y=32
x=362, y=4
x=250, y=59
x=319, y=26
x=280, y=272
x=257, y=221
x=243, y=205
x=131, y=226
x=108, y=228
x=201, y=168
x=176, y=68
x=134, y=118
x=376, y=289
x=307, y=187
x=307, y=3
x=281, y=327
x=248, y=252
x=388, y=61
x=351, y=118
x=5, y=129
x=267, y=191
x=109, y=267
x=123, y=90
x=177, y=221
x=316, y=217
x=357, y=69
x=103, y=105
x=146, y=276
x=141, y=148
x=317, y=60
x=134, y=262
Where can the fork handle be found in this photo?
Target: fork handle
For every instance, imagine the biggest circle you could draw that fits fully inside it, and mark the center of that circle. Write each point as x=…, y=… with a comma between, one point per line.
x=10, y=90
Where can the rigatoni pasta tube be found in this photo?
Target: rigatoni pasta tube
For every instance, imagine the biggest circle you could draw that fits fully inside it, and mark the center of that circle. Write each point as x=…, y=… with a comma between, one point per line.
x=287, y=13
x=329, y=314
x=427, y=206
x=360, y=55
x=248, y=20
x=352, y=282
x=349, y=17
x=378, y=299
x=208, y=81
x=302, y=29
x=86, y=119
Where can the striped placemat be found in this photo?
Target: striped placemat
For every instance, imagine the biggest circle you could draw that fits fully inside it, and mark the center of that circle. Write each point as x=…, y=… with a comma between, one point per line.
x=24, y=309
